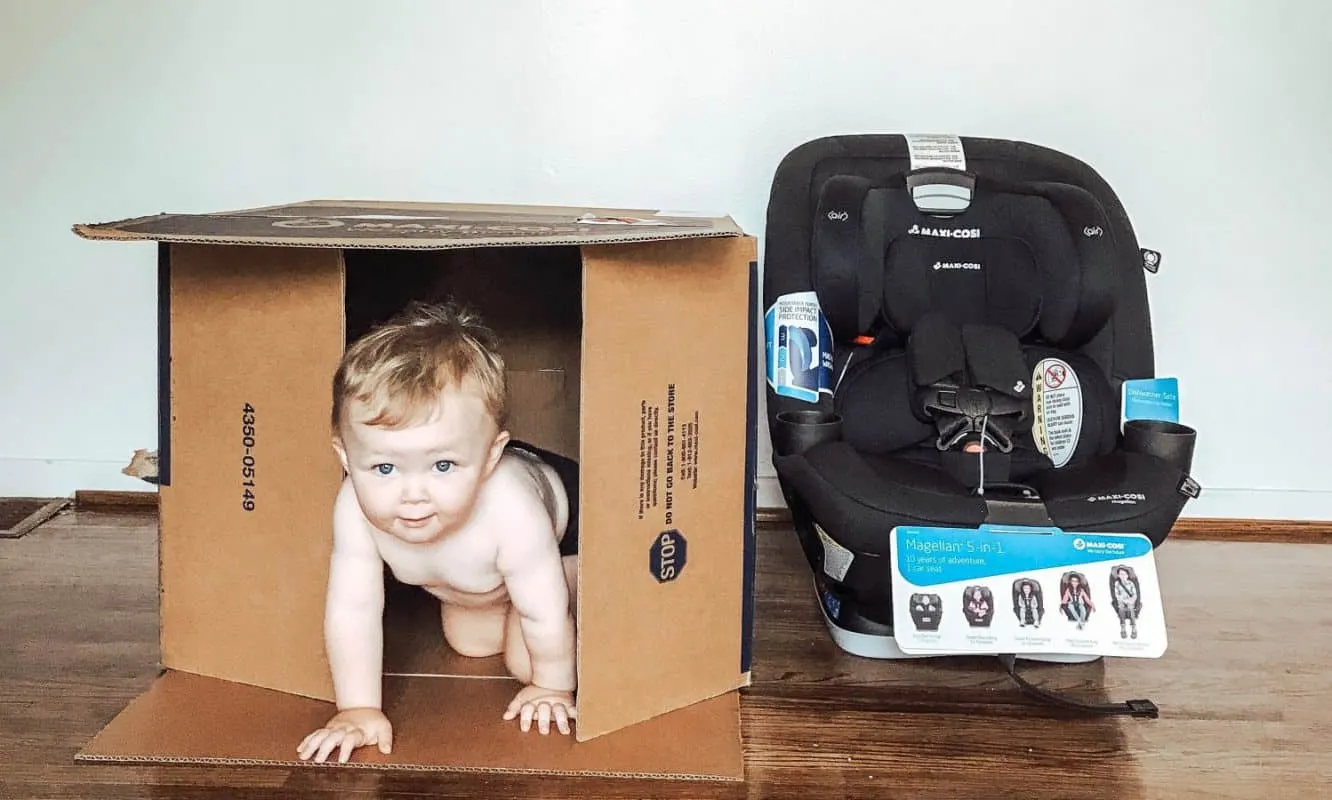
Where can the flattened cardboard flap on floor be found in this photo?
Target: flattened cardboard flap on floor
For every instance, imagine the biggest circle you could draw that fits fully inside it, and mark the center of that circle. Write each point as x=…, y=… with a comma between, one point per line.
x=445, y=713
x=445, y=726
x=628, y=338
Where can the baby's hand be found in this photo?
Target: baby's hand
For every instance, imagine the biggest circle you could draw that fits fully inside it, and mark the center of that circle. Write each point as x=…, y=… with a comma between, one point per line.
x=349, y=729
x=542, y=703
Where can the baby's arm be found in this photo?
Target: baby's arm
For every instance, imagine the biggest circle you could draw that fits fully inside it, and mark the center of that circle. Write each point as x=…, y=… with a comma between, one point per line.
x=354, y=608
x=529, y=560
x=353, y=639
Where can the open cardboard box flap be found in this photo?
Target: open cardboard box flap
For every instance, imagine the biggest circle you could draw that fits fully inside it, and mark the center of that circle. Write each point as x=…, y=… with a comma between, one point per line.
x=629, y=346
x=376, y=224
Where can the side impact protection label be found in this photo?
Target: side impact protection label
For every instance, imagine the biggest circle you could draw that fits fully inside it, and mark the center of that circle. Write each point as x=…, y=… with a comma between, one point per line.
x=799, y=347
x=1056, y=397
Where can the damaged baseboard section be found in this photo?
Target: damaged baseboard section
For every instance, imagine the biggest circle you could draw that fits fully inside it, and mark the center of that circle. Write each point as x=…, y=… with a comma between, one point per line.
x=142, y=465
x=20, y=516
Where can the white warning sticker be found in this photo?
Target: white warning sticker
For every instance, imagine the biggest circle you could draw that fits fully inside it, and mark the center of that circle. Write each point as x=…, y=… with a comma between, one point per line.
x=936, y=150
x=836, y=559
x=1056, y=398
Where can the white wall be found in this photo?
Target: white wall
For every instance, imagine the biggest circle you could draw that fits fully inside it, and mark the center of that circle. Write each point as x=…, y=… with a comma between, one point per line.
x=1213, y=120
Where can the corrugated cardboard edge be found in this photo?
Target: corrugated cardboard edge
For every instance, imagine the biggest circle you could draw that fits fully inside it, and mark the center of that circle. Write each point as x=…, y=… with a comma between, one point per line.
x=723, y=227
x=100, y=234
x=82, y=757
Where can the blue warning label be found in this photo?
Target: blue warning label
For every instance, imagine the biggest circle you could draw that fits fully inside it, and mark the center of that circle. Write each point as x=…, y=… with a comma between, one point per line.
x=799, y=347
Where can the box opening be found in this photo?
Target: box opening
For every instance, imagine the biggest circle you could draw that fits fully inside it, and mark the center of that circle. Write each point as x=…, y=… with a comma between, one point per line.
x=531, y=297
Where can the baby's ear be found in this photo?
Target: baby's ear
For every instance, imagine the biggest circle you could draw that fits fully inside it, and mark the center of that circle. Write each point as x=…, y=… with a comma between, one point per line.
x=341, y=450
x=496, y=450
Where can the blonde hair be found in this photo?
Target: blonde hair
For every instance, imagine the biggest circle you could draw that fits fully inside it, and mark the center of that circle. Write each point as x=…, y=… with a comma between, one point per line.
x=399, y=369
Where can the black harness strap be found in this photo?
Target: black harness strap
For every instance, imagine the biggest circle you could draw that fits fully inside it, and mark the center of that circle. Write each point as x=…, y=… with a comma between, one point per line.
x=972, y=381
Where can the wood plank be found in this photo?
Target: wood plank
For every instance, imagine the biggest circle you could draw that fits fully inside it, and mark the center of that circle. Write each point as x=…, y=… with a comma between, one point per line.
x=1254, y=530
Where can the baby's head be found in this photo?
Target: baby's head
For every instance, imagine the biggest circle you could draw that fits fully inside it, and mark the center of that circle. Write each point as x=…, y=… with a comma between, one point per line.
x=419, y=407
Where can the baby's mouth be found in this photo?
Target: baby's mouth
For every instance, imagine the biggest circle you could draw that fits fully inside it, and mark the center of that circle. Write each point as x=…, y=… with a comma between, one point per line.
x=416, y=522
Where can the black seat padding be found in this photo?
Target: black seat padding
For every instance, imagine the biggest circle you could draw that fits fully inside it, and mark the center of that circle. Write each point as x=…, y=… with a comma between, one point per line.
x=958, y=332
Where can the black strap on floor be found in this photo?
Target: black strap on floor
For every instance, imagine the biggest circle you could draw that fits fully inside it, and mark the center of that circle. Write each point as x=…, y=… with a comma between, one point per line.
x=1133, y=708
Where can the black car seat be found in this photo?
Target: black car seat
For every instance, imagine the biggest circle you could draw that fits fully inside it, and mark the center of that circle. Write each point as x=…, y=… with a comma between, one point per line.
x=1029, y=609
x=1133, y=578
x=926, y=610
x=978, y=613
x=975, y=305
x=1067, y=594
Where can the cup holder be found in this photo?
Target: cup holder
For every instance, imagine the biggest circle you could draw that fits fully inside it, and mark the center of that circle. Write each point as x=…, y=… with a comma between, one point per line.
x=1169, y=441
x=795, y=432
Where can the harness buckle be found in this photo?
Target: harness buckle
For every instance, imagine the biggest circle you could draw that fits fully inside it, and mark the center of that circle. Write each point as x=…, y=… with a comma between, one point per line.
x=967, y=414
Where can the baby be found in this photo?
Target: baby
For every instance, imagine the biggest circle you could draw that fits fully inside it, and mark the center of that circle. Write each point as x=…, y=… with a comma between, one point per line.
x=435, y=489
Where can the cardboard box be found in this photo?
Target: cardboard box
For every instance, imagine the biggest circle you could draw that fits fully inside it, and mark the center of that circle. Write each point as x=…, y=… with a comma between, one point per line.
x=629, y=338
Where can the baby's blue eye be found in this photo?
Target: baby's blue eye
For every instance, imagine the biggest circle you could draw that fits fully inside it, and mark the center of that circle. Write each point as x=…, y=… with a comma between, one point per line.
x=443, y=466
x=383, y=469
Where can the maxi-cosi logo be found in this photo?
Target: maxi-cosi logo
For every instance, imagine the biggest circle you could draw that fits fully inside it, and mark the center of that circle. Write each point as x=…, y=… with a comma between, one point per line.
x=1126, y=498
x=1097, y=546
x=945, y=233
x=969, y=265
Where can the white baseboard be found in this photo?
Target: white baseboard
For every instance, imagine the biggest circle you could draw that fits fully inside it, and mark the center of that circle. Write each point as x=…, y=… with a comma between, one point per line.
x=769, y=493
x=52, y=477
x=1280, y=504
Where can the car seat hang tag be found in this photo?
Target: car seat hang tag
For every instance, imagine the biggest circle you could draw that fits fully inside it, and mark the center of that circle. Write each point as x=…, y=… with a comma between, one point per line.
x=1073, y=593
x=938, y=179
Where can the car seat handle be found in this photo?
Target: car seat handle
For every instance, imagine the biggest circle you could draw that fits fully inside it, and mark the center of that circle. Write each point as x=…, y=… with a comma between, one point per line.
x=940, y=190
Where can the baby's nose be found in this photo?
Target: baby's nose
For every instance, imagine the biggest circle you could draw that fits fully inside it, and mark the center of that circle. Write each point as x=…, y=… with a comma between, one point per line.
x=414, y=490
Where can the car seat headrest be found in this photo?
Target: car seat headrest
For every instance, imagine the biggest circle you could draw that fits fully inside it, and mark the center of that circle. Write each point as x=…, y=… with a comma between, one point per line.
x=1033, y=258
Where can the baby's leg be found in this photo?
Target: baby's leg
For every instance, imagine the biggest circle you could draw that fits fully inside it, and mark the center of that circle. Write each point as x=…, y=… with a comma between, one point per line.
x=474, y=632
x=517, y=659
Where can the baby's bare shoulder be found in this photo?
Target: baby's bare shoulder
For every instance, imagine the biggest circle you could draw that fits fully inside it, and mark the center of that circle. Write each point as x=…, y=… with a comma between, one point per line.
x=516, y=499
x=518, y=478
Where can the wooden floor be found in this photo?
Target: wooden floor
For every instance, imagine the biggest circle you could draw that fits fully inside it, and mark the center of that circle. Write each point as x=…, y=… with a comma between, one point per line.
x=1245, y=693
